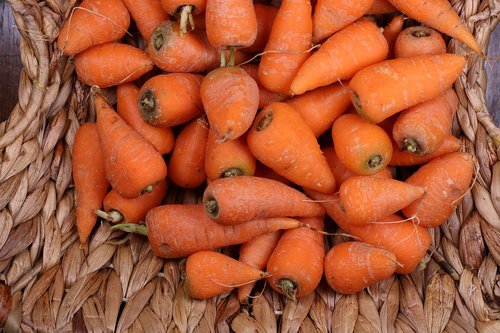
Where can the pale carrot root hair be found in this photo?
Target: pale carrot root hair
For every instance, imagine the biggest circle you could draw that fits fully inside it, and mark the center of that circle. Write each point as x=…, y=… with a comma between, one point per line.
x=279, y=51
x=266, y=275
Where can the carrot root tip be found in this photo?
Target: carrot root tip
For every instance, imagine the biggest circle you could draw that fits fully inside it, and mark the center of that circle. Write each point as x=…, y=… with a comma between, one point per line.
x=264, y=122
x=375, y=162
x=289, y=289
x=411, y=145
x=231, y=172
x=212, y=207
x=133, y=228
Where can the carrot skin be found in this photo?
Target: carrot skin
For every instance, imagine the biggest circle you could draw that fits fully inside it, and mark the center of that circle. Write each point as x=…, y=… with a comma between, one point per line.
x=147, y=15
x=418, y=40
x=266, y=96
x=404, y=158
x=381, y=7
x=391, y=32
x=265, y=18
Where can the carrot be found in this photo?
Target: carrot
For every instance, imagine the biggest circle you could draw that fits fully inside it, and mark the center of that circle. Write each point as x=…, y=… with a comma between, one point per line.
x=185, y=10
x=391, y=32
x=111, y=64
x=265, y=17
x=209, y=274
x=331, y=16
x=362, y=147
x=352, y=266
x=264, y=171
x=287, y=47
x=92, y=23
x=280, y=139
x=440, y=15
x=238, y=199
x=296, y=264
x=418, y=40
x=89, y=177
x=321, y=106
x=167, y=100
x=368, y=199
x=256, y=253
x=446, y=179
x=421, y=129
x=126, y=107
x=132, y=164
x=404, y=158
x=187, y=162
x=342, y=55
x=147, y=15
x=230, y=97
x=381, y=7
x=231, y=158
x=266, y=96
x=378, y=91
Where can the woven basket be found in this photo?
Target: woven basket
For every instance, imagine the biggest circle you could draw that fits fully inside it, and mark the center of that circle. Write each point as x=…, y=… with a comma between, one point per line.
x=117, y=284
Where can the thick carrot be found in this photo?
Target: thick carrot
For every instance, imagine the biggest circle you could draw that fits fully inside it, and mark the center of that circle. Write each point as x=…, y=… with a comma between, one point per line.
x=167, y=100
x=391, y=33
x=421, y=129
x=362, y=147
x=342, y=55
x=440, y=15
x=265, y=17
x=185, y=10
x=111, y=64
x=266, y=96
x=296, y=264
x=287, y=47
x=404, y=158
x=89, y=178
x=418, y=40
x=126, y=106
x=209, y=274
x=321, y=106
x=446, y=179
x=93, y=22
x=280, y=139
x=331, y=16
x=147, y=15
x=238, y=199
x=132, y=163
x=378, y=91
x=231, y=98
x=352, y=266
x=256, y=253
x=381, y=7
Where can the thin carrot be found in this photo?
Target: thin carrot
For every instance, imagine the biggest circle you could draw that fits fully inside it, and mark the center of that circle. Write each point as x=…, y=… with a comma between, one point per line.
x=89, y=177
x=342, y=55
x=378, y=92
x=404, y=158
x=391, y=33
x=418, y=40
x=185, y=10
x=147, y=15
x=93, y=22
x=381, y=7
x=265, y=17
x=266, y=96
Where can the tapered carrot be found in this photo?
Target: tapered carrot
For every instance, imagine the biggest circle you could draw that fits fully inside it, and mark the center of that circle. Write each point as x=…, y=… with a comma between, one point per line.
x=418, y=40
x=352, y=266
x=446, y=179
x=404, y=158
x=332, y=15
x=391, y=33
x=92, y=23
x=287, y=46
x=132, y=163
x=209, y=274
x=378, y=92
x=89, y=177
x=238, y=199
x=147, y=15
x=167, y=100
x=265, y=15
x=126, y=107
x=342, y=55
x=266, y=96
x=440, y=15
x=422, y=128
x=230, y=97
x=111, y=64
x=321, y=106
x=280, y=139
x=381, y=7
x=185, y=10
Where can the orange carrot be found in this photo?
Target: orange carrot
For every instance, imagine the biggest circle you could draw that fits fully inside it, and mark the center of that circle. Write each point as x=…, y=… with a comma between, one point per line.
x=266, y=96
x=92, y=23
x=332, y=15
x=111, y=64
x=89, y=177
x=404, y=158
x=185, y=10
x=126, y=107
x=265, y=17
x=391, y=33
x=239, y=199
x=280, y=139
x=147, y=15
x=132, y=164
x=446, y=179
x=378, y=91
x=352, y=266
x=170, y=99
x=381, y=7
x=342, y=55
x=418, y=40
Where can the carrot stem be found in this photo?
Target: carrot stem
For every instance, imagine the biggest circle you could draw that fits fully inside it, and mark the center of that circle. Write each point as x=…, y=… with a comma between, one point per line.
x=147, y=105
x=131, y=228
x=375, y=161
x=148, y=189
x=231, y=172
x=223, y=58
x=158, y=39
x=186, y=15
x=264, y=122
x=232, y=57
x=289, y=289
x=212, y=208
x=411, y=145
x=113, y=216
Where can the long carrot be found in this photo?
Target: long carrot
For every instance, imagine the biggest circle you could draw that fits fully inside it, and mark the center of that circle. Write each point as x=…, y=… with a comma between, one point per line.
x=147, y=15
x=265, y=17
x=417, y=40
x=266, y=96
x=185, y=10
x=404, y=158
x=391, y=33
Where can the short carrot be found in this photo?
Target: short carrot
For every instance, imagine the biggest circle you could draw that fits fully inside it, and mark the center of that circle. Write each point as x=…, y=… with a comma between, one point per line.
x=404, y=158
x=185, y=10
x=266, y=96
x=381, y=7
x=147, y=15
x=391, y=33
x=418, y=40
x=265, y=17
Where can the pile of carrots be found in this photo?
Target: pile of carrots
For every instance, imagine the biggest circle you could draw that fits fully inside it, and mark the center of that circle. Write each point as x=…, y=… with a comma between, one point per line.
x=288, y=119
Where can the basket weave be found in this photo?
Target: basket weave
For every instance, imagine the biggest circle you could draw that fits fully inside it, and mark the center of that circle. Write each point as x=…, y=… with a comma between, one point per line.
x=117, y=284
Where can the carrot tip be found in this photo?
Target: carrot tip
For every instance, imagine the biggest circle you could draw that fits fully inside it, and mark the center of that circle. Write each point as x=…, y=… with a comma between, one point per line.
x=133, y=228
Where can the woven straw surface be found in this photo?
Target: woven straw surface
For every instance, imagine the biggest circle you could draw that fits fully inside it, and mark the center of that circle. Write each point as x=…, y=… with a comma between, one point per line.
x=116, y=284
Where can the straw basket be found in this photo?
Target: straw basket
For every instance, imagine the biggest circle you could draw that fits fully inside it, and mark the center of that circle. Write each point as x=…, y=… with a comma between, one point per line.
x=117, y=284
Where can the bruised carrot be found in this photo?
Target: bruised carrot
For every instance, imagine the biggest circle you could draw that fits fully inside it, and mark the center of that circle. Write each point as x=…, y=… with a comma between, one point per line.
x=280, y=139
x=404, y=158
x=265, y=17
x=131, y=162
x=446, y=179
x=352, y=266
x=92, y=23
x=381, y=7
x=147, y=15
x=238, y=199
x=89, y=177
x=266, y=96
x=418, y=40
x=391, y=33
x=342, y=55
x=167, y=100
x=111, y=64
x=185, y=10
x=378, y=92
